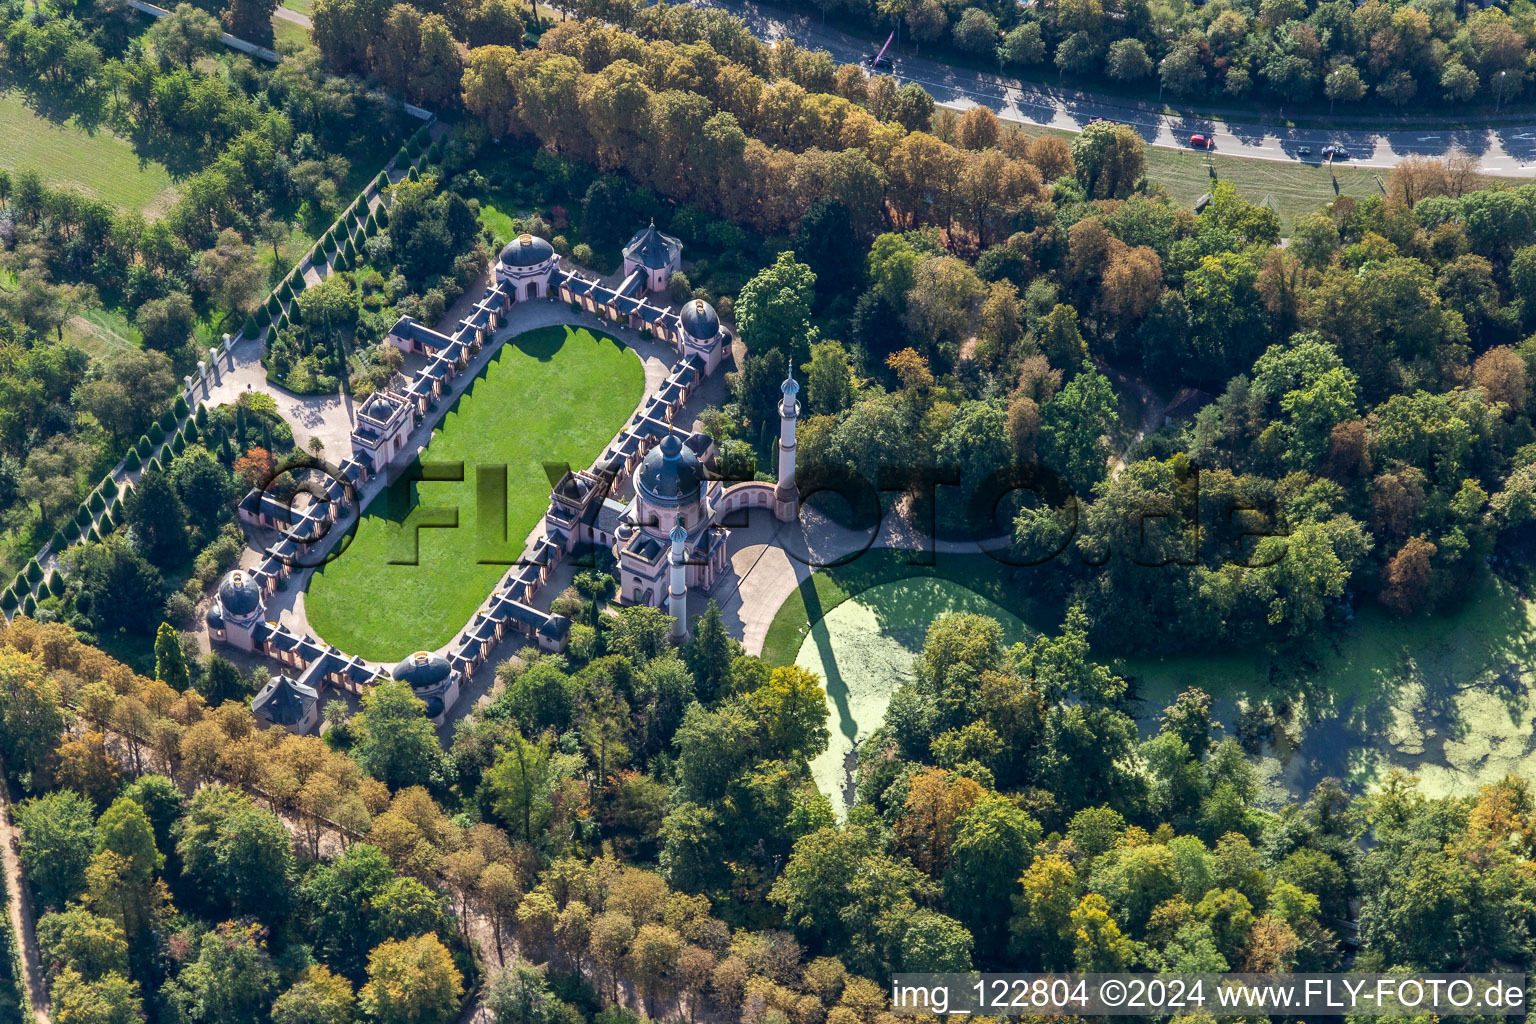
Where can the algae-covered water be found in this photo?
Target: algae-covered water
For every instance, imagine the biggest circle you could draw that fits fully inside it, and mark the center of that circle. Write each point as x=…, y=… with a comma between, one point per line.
x=1450, y=698
x=864, y=648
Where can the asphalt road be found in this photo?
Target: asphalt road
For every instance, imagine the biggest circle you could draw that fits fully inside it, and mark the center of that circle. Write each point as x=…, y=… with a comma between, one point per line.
x=1507, y=148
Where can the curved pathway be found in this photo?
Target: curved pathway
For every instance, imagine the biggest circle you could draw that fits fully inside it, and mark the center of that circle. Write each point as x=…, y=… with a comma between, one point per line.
x=1503, y=146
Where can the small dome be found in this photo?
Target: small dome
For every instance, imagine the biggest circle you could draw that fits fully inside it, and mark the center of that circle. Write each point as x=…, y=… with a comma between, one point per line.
x=213, y=618
x=700, y=320
x=670, y=473
x=239, y=595
x=678, y=534
x=422, y=671
x=790, y=387
x=527, y=251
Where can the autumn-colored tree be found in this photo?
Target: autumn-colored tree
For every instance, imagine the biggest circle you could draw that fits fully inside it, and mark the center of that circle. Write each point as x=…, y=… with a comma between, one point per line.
x=935, y=800
x=413, y=981
x=256, y=467
x=1407, y=578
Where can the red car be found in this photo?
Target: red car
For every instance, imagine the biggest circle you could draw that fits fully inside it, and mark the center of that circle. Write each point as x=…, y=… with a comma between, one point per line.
x=1201, y=142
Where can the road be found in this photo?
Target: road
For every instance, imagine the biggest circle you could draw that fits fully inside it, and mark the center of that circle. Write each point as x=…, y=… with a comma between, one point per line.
x=1506, y=148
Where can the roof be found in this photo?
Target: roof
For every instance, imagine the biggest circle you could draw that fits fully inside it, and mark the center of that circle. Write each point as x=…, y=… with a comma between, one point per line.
x=284, y=701
x=700, y=320
x=422, y=670
x=238, y=594
x=410, y=327
x=652, y=249
x=670, y=472
x=527, y=251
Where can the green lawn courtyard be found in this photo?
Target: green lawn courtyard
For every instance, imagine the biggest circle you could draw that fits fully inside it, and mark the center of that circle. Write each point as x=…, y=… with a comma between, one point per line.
x=553, y=395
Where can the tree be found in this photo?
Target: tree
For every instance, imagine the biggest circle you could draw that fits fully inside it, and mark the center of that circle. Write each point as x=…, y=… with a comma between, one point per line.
x=993, y=845
x=639, y=633
x=1127, y=60
x=58, y=837
x=110, y=999
x=412, y=982
x=520, y=994
x=220, y=681
x=976, y=32
x=1110, y=160
x=395, y=740
x=773, y=310
x=317, y=997
x=828, y=379
x=709, y=654
x=185, y=35
x=230, y=273
x=232, y=979
x=256, y=467
x=520, y=786
x=155, y=514
x=1408, y=576
x=120, y=590
x=31, y=718
x=1074, y=426
x=170, y=659
x=1023, y=45
x=167, y=323
x=76, y=939
x=913, y=108
x=828, y=243
x=237, y=855
x=204, y=486
x=792, y=709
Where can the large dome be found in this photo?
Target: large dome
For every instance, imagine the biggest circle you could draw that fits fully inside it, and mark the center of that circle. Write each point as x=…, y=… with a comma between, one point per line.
x=700, y=319
x=239, y=594
x=670, y=473
x=527, y=251
x=422, y=671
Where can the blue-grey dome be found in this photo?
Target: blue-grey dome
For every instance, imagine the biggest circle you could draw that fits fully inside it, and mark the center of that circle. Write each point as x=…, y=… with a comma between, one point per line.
x=700, y=319
x=670, y=473
x=239, y=595
x=422, y=671
x=527, y=251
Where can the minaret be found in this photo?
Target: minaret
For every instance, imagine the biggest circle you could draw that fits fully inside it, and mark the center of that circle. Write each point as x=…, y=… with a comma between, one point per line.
x=786, y=499
x=678, y=603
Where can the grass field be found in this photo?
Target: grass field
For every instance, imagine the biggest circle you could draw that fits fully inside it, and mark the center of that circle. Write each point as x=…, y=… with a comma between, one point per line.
x=1292, y=188
x=1449, y=698
x=97, y=163
x=864, y=649
x=284, y=30
x=552, y=395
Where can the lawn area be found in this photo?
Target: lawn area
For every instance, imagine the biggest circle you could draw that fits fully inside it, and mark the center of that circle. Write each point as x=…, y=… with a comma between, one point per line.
x=103, y=334
x=1292, y=188
x=864, y=649
x=98, y=163
x=282, y=30
x=304, y=7
x=553, y=395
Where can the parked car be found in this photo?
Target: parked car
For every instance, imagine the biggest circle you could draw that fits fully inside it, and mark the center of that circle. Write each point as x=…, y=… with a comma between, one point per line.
x=1202, y=141
x=878, y=63
x=1335, y=153
x=1303, y=150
